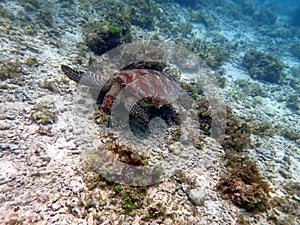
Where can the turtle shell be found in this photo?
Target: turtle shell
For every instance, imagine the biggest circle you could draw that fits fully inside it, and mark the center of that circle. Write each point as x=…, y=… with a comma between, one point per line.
x=147, y=65
x=148, y=81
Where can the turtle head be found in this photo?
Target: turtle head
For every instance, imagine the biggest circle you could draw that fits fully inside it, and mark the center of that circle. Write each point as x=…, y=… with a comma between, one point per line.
x=74, y=75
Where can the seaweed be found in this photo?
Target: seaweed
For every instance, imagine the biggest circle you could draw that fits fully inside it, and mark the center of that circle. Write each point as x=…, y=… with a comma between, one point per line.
x=264, y=129
x=287, y=205
x=115, y=30
x=199, y=17
x=290, y=134
x=45, y=17
x=204, y=115
x=31, y=61
x=30, y=5
x=30, y=30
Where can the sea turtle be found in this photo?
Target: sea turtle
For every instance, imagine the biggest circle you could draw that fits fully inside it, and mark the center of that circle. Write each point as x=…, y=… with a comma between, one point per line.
x=145, y=84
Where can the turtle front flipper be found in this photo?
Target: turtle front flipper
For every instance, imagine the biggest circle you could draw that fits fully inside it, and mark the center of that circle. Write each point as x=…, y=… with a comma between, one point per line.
x=111, y=97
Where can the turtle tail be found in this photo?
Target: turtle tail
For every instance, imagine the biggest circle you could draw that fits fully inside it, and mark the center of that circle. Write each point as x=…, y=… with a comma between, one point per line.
x=74, y=75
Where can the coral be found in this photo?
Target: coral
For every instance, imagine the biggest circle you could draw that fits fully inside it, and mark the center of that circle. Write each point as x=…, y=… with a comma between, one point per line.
x=199, y=17
x=293, y=102
x=265, y=17
x=250, y=88
x=143, y=13
x=102, y=36
x=295, y=49
x=204, y=115
x=243, y=184
x=126, y=154
x=10, y=69
x=237, y=133
x=213, y=54
x=31, y=61
x=263, y=66
x=131, y=198
x=44, y=113
x=296, y=17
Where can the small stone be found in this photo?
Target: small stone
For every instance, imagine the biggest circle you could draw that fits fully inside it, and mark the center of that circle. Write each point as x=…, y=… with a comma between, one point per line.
x=176, y=148
x=10, y=116
x=55, y=206
x=4, y=125
x=197, y=196
x=46, y=159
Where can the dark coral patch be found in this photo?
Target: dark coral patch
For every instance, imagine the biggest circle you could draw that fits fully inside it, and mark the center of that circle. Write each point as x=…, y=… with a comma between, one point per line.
x=263, y=66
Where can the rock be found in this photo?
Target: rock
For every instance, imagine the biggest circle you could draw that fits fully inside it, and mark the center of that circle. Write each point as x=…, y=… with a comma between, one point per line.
x=4, y=125
x=55, y=206
x=176, y=148
x=197, y=196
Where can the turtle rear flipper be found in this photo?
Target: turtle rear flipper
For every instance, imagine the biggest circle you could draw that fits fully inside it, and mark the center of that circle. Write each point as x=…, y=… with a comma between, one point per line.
x=136, y=110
